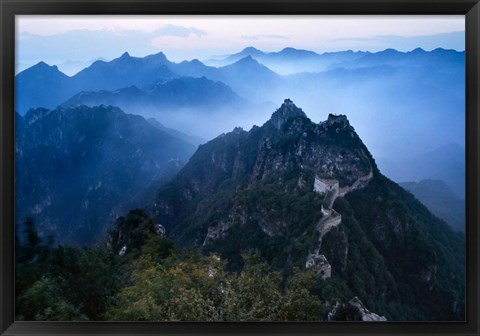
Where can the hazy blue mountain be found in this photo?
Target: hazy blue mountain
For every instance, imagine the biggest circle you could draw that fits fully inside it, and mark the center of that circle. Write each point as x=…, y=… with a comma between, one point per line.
x=416, y=58
x=446, y=163
x=194, y=68
x=72, y=67
x=246, y=76
x=440, y=199
x=124, y=71
x=248, y=51
x=418, y=96
x=191, y=139
x=251, y=79
x=289, y=60
x=255, y=189
x=41, y=85
x=178, y=93
x=400, y=111
x=45, y=86
x=78, y=168
x=195, y=106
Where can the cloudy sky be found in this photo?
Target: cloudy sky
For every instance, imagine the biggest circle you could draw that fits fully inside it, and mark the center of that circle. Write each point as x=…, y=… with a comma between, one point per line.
x=73, y=41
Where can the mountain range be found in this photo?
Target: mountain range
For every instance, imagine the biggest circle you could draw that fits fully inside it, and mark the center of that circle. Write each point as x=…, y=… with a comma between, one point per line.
x=368, y=87
x=36, y=84
x=446, y=163
x=181, y=141
x=290, y=60
x=79, y=168
x=440, y=199
x=303, y=195
x=310, y=195
x=174, y=94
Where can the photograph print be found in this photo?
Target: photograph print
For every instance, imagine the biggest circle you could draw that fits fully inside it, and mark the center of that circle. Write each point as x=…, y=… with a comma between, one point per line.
x=240, y=168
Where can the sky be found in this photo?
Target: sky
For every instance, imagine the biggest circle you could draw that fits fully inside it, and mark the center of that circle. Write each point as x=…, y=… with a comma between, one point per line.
x=73, y=42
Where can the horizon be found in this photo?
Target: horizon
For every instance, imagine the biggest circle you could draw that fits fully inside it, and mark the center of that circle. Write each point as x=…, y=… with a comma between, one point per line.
x=76, y=39
x=222, y=57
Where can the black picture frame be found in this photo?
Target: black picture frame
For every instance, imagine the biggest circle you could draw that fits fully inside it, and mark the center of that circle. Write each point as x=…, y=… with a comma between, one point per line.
x=10, y=8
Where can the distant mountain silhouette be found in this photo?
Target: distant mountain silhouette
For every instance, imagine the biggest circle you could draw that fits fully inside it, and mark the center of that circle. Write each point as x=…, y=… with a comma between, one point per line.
x=289, y=60
x=446, y=163
x=41, y=85
x=124, y=71
x=421, y=92
x=184, y=92
x=191, y=139
x=440, y=199
x=45, y=86
x=415, y=58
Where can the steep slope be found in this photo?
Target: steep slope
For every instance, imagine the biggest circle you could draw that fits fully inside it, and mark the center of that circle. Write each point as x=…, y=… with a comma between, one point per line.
x=41, y=85
x=446, y=163
x=440, y=199
x=239, y=76
x=78, y=168
x=310, y=195
x=191, y=139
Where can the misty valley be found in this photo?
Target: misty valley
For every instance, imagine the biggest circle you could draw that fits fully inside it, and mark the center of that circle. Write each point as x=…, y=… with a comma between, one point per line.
x=256, y=186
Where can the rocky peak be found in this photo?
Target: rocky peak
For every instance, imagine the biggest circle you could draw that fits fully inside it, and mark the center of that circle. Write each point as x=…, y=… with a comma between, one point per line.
x=250, y=49
x=125, y=55
x=34, y=115
x=157, y=59
x=337, y=119
x=42, y=68
x=286, y=111
x=125, y=58
x=247, y=60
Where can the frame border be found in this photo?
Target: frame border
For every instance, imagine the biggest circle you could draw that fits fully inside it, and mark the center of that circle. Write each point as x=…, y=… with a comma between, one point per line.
x=10, y=8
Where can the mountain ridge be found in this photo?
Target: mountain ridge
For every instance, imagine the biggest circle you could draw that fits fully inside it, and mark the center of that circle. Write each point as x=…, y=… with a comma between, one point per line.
x=257, y=190
x=110, y=161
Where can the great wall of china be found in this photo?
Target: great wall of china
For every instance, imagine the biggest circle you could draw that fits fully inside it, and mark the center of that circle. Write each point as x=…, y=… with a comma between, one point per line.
x=331, y=218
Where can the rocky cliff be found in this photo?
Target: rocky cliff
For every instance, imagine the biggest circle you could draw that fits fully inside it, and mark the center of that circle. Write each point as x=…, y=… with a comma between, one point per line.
x=260, y=190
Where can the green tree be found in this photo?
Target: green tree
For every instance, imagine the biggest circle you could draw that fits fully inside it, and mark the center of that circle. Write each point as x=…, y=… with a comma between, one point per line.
x=254, y=295
x=43, y=302
x=298, y=303
x=186, y=290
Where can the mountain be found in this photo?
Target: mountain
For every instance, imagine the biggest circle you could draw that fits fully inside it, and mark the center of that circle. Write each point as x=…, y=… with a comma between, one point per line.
x=386, y=88
x=45, y=86
x=178, y=93
x=78, y=168
x=191, y=139
x=39, y=86
x=238, y=75
x=440, y=199
x=248, y=51
x=290, y=60
x=307, y=195
x=446, y=163
x=379, y=96
x=417, y=58
x=124, y=71
x=250, y=79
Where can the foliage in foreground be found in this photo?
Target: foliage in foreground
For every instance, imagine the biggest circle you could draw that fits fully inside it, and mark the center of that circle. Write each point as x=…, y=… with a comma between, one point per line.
x=155, y=281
